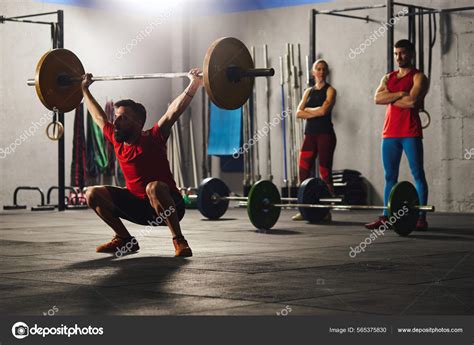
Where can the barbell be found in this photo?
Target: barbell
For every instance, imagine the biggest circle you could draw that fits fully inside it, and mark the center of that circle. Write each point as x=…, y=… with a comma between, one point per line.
x=228, y=73
x=314, y=201
x=213, y=198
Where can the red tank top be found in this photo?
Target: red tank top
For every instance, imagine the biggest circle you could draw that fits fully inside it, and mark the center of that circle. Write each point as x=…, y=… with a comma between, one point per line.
x=143, y=162
x=401, y=122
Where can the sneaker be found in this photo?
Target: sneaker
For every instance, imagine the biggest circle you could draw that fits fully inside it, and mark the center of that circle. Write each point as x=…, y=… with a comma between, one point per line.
x=297, y=217
x=421, y=224
x=181, y=247
x=376, y=224
x=118, y=244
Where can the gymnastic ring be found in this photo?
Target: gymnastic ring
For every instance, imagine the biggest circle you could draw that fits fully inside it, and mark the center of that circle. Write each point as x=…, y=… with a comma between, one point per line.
x=56, y=135
x=428, y=119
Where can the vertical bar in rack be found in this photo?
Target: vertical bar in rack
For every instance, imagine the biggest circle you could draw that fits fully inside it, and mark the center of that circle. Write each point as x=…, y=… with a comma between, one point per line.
x=296, y=124
x=390, y=38
x=421, y=34
x=208, y=126
x=169, y=152
x=58, y=42
x=411, y=25
x=312, y=40
x=283, y=112
x=204, y=136
x=308, y=81
x=193, y=152
x=300, y=72
x=267, y=98
x=255, y=122
x=290, y=116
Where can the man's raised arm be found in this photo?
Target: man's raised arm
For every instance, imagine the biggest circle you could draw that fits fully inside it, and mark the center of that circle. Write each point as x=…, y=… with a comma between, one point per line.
x=179, y=105
x=97, y=113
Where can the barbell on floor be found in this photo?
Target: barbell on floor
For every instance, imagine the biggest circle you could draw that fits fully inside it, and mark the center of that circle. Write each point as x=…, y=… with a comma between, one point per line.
x=228, y=73
x=213, y=198
x=264, y=203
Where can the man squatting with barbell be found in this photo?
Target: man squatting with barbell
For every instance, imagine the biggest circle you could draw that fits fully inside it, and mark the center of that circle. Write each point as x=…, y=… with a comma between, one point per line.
x=150, y=187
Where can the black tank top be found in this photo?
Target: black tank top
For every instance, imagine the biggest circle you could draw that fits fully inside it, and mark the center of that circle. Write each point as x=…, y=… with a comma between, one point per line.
x=321, y=124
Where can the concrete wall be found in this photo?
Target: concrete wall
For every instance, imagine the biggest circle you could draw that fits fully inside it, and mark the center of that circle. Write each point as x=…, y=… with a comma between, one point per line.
x=181, y=42
x=454, y=178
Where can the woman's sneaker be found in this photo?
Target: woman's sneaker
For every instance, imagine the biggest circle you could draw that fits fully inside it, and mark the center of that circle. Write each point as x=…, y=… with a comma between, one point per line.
x=297, y=217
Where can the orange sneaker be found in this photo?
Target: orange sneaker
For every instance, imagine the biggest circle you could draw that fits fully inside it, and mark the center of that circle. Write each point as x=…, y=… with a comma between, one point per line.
x=181, y=247
x=119, y=246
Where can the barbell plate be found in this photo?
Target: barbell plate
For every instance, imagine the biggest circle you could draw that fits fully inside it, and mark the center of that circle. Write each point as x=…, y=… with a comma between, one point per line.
x=401, y=205
x=221, y=54
x=53, y=64
x=262, y=196
x=210, y=208
x=310, y=192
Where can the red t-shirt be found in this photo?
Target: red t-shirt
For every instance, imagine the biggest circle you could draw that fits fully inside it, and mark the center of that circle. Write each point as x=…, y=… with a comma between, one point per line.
x=401, y=122
x=143, y=162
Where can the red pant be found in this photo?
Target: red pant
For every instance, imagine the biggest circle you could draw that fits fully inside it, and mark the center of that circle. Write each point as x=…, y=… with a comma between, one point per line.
x=323, y=144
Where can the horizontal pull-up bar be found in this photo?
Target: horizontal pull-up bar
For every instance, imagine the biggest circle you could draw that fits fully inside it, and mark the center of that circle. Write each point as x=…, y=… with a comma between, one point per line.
x=456, y=9
x=423, y=12
x=365, y=19
x=351, y=9
x=414, y=6
x=17, y=19
x=426, y=10
x=3, y=19
x=34, y=15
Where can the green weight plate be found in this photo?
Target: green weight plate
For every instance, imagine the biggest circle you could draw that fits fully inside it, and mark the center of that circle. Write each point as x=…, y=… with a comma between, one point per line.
x=262, y=196
x=310, y=191
x=208, y=201
x=401, y=208
x=190, y=198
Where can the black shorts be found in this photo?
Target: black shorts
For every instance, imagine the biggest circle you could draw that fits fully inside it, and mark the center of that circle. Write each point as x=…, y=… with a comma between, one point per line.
x=140, y=211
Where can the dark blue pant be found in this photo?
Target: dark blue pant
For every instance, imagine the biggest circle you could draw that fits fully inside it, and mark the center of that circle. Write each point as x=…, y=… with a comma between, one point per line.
x=392, y=149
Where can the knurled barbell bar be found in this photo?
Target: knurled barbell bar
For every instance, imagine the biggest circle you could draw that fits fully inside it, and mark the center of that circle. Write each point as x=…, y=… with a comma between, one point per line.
x=264, y=203
x=228, y=73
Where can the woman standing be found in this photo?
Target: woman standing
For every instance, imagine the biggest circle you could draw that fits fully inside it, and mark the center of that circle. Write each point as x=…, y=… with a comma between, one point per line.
x=319, y=138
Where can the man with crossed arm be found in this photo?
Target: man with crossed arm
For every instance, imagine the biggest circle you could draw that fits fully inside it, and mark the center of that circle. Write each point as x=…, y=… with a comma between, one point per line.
x=403, y=91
